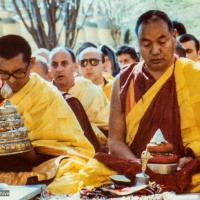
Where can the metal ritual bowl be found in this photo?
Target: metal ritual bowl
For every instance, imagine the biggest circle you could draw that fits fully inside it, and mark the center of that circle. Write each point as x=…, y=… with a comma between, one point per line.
x=14, y=134
x=14, y=147
x=141, y=179
x=12, y=116
x=7, y=110
x=9, y=125
x=163, y=168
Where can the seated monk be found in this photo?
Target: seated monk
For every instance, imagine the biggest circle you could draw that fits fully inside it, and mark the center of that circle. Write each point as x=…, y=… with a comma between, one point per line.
x=58, y=143
x=161, y=92
x=62, y=61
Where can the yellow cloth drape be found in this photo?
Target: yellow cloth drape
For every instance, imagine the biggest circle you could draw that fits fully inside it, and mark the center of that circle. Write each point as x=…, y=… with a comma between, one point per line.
x=95, y=104
x=108, y=76
x=87, y=174
x=53, y=127
x=48, y=118
x=107, y=89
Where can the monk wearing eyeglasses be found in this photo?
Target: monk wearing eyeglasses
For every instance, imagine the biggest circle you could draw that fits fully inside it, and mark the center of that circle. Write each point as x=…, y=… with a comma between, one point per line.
x=59, y=146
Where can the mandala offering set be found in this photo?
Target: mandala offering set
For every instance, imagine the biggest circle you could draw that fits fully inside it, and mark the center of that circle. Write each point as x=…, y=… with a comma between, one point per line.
x=162, y=159
x=13, y=135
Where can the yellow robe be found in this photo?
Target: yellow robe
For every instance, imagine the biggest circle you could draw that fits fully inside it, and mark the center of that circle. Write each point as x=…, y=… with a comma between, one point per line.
x=108, y=76
x=107, y=88
x=95, y=104
x=187, y=75
x=53, y=130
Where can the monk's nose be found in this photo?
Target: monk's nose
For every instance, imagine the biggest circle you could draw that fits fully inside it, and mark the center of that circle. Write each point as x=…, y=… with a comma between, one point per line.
x=155, y=50
x=59, y=68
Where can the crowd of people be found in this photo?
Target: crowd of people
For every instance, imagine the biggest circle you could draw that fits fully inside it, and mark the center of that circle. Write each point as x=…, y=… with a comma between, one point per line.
x=90, y=114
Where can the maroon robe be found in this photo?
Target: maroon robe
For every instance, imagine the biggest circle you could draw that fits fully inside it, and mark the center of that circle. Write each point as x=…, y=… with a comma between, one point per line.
x=83, y=120
x=162, y=113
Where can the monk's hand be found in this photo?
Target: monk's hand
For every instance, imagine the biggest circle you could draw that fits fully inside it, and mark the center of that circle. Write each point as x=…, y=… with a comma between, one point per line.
x=137, y=160
x=182, y=162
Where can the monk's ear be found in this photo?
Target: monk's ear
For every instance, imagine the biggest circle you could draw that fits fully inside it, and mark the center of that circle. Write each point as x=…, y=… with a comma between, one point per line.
x=174, y=37
x=50, y=76
x=174, y=33
x=32, y=62
x=198, y=52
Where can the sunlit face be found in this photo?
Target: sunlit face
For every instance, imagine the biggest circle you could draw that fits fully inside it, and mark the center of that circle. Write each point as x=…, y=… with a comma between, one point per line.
x=125, y=60
x=156, y=44
x=190, y=50
x=92, y=70
x=16, y=70
x=62, y=68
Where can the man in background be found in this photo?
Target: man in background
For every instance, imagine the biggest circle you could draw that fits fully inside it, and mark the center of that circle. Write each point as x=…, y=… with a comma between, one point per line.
x=126, y=56
x=179, y=28
x=62, y=61
x=41, y=67
x=191, y=45
x=91, y=61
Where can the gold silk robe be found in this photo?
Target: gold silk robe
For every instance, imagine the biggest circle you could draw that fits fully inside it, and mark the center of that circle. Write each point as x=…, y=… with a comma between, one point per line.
x=53, y=130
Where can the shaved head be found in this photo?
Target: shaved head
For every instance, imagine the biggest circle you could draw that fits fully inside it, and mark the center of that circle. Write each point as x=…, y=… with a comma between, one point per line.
x=90, y=50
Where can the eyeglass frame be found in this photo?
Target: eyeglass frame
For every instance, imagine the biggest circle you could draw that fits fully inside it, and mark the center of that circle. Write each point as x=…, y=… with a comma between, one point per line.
x=13, y=73
x=89, y=61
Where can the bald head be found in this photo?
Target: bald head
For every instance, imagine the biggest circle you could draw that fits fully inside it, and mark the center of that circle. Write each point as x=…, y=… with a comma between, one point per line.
x=42, y=52
x=64, y=50
x=91, y=50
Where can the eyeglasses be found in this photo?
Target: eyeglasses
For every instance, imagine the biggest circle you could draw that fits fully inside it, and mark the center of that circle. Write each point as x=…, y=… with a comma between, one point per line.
x=18, y=74
x=91, y=61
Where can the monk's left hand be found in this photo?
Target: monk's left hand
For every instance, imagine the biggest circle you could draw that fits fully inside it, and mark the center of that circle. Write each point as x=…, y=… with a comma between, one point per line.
x=182, y=162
